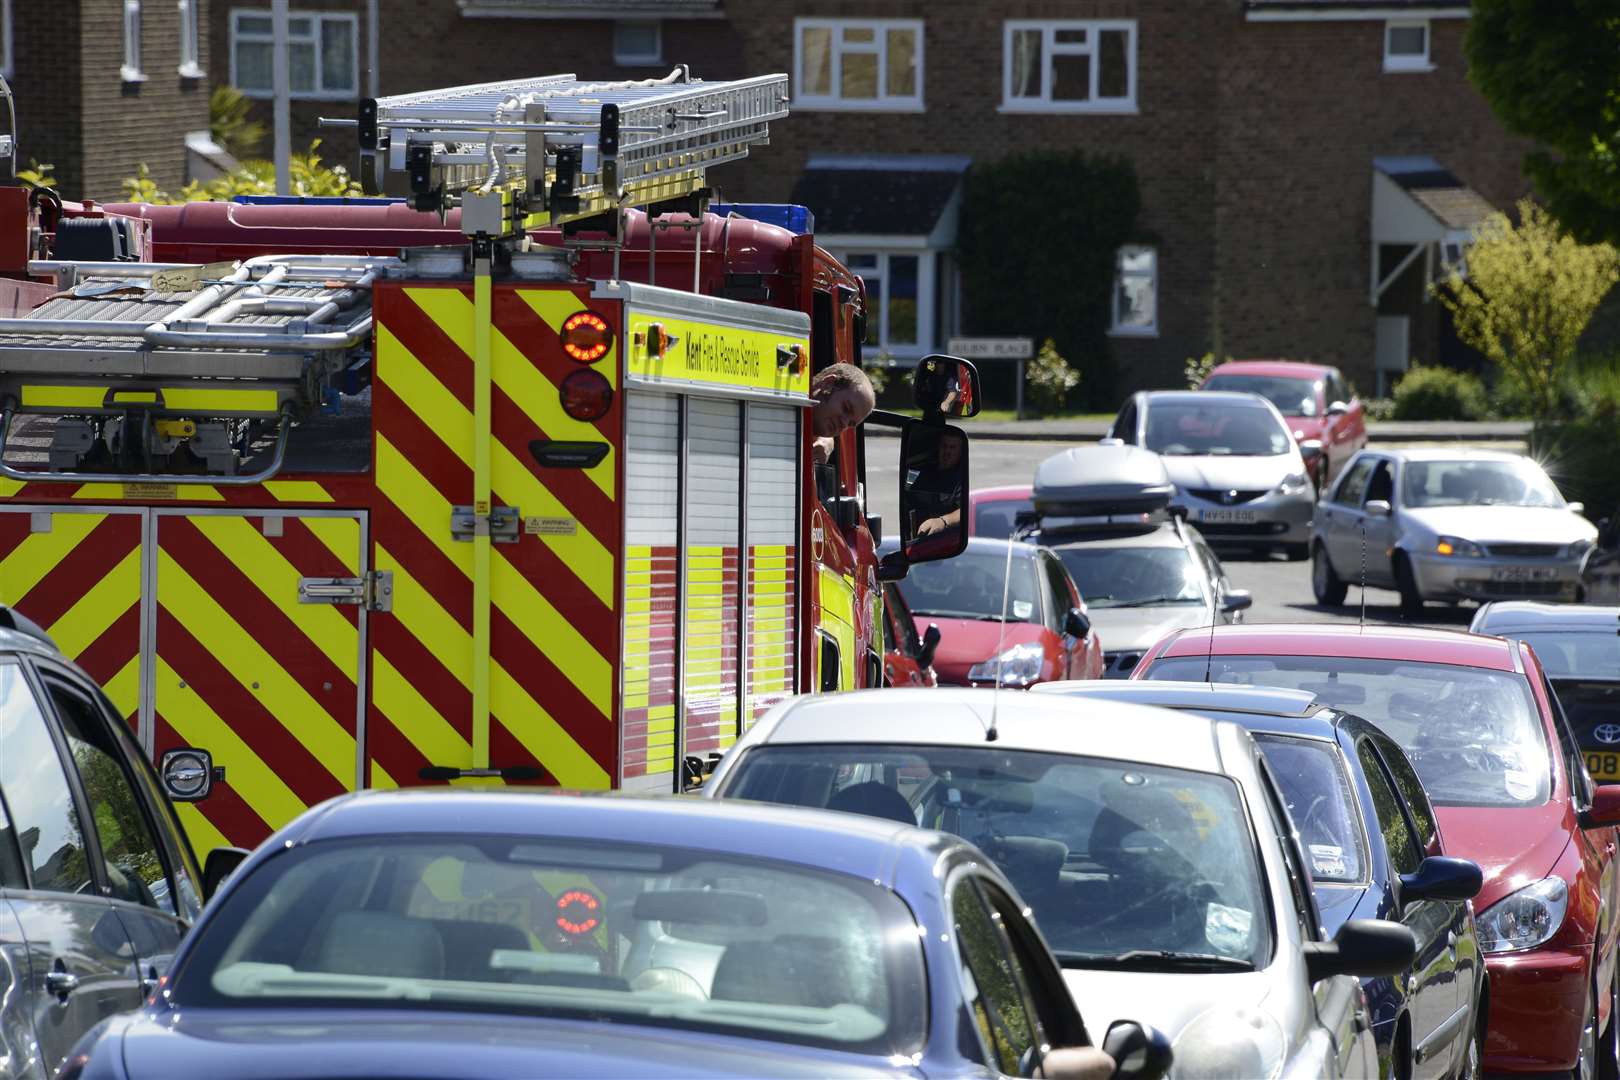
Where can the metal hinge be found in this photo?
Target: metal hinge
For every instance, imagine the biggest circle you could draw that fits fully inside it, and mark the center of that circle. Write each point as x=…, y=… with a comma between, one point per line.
x=374, y=591
x=504, y=524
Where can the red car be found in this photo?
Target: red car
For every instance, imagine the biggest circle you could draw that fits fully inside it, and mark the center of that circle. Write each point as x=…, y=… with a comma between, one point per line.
x=908, y=655
x=993, y=511
x=1314, y=399
x=1491, y=746
x=1045, y=635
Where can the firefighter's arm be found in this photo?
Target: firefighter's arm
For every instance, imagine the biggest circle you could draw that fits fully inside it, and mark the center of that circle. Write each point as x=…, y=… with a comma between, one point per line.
x=822, y=449
x=942, y=523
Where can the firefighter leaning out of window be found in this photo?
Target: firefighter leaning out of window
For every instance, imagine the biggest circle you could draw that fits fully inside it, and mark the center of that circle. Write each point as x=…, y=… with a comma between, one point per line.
x=844, y=398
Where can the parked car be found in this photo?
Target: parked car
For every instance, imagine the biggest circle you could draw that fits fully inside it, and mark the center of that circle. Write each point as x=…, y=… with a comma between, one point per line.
x=993, y=511
x=1143, y=571
x=451, y=933
x=1477, y=719
x=908, y=657
x=1234, y=462
x=1448, y=525
x=1375, y=851
x=1314, y=399
x=1152, y=846
x=98, y=882
x=1579, y=649
x=1043, y=632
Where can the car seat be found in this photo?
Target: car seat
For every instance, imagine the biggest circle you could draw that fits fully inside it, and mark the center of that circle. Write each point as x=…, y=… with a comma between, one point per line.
x=793, y=969
x=874, y=800
x=469, y=948
x=383, y=944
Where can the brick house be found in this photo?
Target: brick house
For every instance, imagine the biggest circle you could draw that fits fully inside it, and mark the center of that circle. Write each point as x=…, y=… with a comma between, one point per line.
x=103, y=86
x=1305, y=166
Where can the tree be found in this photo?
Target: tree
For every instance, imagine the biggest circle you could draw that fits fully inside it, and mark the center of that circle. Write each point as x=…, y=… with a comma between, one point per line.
x=1529, y=293
x=1551, y=70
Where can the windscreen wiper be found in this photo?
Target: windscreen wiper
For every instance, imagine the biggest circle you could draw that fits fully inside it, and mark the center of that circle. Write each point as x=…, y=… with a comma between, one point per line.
x=1153, y=960
x=1155, y=600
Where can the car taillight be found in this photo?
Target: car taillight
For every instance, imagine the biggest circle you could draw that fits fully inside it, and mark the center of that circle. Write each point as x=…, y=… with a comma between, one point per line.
x=586, y=336
x=586, y=395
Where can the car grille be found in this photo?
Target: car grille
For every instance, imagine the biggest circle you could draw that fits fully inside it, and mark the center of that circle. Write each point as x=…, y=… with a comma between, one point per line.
x=1119, y=665
x=1498, y=589
x=1219, y=495
x=1526, y=551
x=1213, y=529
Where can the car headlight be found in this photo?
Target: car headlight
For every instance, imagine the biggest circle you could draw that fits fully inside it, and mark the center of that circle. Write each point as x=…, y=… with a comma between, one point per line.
x=1524, y=919
x=1458, y=548
x=1019, y=665
x=1293, y=484
x=1229, y=1044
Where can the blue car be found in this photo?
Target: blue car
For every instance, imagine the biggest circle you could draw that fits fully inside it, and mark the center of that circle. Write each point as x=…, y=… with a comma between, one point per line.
x=452, y=933
x=1375, y=852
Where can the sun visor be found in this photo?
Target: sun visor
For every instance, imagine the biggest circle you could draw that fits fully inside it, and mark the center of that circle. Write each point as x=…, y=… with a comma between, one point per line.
x=1090, y=481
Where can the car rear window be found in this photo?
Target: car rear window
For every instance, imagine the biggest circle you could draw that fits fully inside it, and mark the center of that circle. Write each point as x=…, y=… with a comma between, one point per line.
x=1582, y=653
x=1316, y=787
x=1474, y=736
x=995, y=518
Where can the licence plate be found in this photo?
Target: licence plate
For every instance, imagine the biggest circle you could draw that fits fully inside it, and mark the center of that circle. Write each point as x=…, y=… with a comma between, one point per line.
x=1229, y=517
x=1603, y=765
x=1524, y=573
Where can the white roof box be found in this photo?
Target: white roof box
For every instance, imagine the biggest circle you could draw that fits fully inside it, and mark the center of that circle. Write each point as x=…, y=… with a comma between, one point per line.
x=1092, y=481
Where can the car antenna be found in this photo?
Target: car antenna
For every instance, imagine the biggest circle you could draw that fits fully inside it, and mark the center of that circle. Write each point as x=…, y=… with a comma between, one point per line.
x=990, y=734
x=1209, y=653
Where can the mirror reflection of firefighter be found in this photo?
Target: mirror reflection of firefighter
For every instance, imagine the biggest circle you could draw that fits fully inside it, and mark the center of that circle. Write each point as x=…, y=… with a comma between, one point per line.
x=934, y=486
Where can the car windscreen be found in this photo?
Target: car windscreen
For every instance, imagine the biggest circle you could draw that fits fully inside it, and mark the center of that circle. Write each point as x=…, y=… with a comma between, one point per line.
x=1293, y=397
x=1592, y=654
x=995, y=518
x=1474, y=736
x=1113, y=857
x=598, y=930
x=1519, y=482
x=1224, y=429
x=1134, y=576
x=1311, y=773
x=970, y=587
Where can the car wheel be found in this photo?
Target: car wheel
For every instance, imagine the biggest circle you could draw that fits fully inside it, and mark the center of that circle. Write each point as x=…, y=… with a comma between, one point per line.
x=1609, y=1050
x=1411, y=599
x=1586, y=1058
x=1296, y=552
x=1325, y=583
x=1473, y=1060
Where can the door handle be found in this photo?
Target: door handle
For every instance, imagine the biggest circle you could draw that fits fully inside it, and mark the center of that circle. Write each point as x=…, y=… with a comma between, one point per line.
x=151, y=983
x=61, y=982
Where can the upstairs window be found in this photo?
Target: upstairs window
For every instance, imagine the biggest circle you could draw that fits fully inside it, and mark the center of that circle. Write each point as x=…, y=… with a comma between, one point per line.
x=131, y=69
x=1136, y=291
x=323, y=58
x=1069, y=66
x=190, y=58
x=1406, y=45
x=638, y=43
x=858, y=64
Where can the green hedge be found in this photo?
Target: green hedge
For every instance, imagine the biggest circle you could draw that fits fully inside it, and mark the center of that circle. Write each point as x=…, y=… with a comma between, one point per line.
x=1437, y=393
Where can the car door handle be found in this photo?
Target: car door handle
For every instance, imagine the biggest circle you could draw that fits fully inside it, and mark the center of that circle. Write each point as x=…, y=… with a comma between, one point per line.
x=61, y=982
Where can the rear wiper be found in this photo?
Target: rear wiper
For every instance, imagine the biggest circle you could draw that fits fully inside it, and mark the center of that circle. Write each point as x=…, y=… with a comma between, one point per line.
x=1154, y=960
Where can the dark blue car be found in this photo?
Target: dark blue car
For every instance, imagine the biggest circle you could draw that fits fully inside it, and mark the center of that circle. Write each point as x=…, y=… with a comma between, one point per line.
x=449, y=933
x=1376, y=852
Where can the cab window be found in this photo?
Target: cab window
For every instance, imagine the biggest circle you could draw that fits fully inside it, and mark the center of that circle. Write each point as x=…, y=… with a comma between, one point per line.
x=1354, y=483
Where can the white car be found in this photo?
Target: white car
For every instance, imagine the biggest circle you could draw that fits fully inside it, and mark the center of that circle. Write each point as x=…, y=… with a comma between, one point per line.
x=1152, y=846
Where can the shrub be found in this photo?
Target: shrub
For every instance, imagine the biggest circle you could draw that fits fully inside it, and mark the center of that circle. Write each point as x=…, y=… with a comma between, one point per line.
x=1050, y=378
x=1578, y=452
x=231, y=123
x=309, y=177
x=1197, y=369
x=37, y=174
x=1379, y=408
x=1437, y=393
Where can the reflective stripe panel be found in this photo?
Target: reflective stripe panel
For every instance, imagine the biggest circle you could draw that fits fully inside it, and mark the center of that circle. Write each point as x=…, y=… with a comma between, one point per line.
x=773, y=517
x=711, y=490
x=651, y=584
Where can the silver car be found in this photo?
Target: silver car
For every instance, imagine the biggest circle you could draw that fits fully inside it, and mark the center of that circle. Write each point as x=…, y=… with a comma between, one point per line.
x=1448, y=525
x=1236, y=467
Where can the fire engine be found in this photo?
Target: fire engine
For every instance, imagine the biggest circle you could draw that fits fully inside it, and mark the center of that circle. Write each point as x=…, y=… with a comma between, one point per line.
x=510, y=481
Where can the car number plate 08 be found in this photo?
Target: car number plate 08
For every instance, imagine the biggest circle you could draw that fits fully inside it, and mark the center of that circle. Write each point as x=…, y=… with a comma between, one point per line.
x=1603, y=765
x=1524, y=573
x=1228, y=517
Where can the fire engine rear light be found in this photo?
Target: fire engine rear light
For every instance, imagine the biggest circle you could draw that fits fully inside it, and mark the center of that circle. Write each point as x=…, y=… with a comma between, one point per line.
x=586, y=336
x=586, y=395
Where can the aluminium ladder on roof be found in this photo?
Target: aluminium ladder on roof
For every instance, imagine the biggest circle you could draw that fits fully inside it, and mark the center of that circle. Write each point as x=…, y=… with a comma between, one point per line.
x=573, y=148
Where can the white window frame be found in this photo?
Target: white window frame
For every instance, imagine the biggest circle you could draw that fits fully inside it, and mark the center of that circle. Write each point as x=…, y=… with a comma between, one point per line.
x=130, y=70
x=1404, y=63
x=1044, y=103
x=627, y=59
x=190, y=57
x=320, y=93
x=884, y=248
x=832, y=100
x=1117, y=329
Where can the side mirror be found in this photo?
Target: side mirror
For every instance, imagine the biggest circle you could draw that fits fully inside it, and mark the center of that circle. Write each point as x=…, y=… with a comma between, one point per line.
x=946, y=385
x=930, y=645
x=1337, y=408
x=1310, y=449
x=1366, y=948
x=1576, y=507
x=1140, y=1052
x=188, y=773
x=1377, y=508
x=1076, y=624
x=933, y=491
x=1605, y=808
x=220, y=864
x=1237, y=600
x=1109, y=440
x=1441, y=878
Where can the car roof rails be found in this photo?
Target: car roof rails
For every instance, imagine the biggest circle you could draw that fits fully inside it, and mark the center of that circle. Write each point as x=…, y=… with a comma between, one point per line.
x=12, y=619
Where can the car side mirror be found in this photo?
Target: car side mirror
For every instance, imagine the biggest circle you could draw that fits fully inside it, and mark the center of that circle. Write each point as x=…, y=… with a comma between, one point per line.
x=1575, y=507
x=220, y=865
x=1237, y=600
x=1337, y=408
x=1442, y=878
x=1140, y=1052
x=930, y=644
x=188, y=773
x=1366, y=948
x=1377, y=508
x=933, y=491
x=1310, y=449
x=946, y=386
x=1076, y=624
x=1110, y=440
x=1605, y=808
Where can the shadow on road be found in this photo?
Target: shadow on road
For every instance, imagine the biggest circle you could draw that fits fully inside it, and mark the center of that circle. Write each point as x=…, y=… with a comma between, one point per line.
x=1456, y=616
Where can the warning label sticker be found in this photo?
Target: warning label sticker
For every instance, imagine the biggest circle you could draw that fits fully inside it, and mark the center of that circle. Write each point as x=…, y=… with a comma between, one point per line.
x=551, y=526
